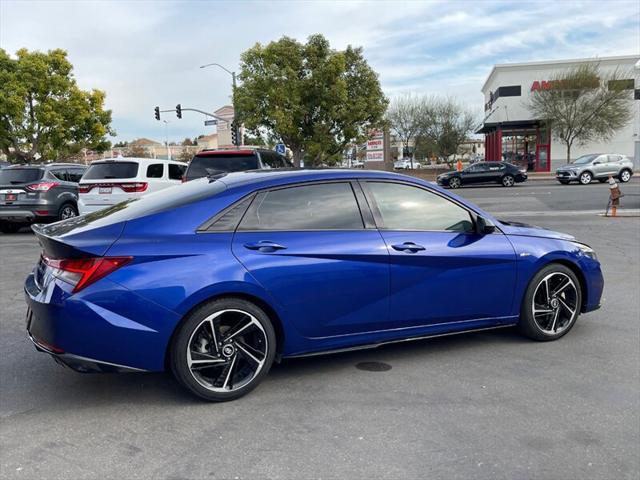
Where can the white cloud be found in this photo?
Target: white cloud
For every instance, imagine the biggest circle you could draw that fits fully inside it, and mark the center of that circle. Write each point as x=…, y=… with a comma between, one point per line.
x=145, y=53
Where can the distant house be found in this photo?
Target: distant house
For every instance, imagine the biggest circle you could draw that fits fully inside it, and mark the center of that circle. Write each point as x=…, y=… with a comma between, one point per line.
x=207, y=141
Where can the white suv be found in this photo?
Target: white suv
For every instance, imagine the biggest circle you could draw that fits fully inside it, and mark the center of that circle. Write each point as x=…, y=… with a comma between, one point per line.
x=111, y=181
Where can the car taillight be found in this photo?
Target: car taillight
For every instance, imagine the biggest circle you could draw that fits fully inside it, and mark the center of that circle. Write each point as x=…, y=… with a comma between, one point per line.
x=84, y=188
x=42, y=186
x=82, y=272
x=132, y=187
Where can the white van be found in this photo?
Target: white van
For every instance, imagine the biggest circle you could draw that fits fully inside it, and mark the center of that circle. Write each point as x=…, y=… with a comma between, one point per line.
x=110, y=181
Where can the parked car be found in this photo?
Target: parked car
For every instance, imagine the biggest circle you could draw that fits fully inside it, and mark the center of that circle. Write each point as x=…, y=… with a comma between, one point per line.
x=112, y=181
x=405, y=164
x=211, y=162
x=38, y=193
x=217, y=278
x=484, y=172
x=598, y=166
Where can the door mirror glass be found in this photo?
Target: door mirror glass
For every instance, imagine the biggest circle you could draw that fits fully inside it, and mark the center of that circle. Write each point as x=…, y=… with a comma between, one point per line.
x=484, y=226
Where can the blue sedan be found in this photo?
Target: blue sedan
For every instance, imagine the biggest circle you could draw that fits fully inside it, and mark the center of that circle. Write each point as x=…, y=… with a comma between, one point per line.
x=218, y=278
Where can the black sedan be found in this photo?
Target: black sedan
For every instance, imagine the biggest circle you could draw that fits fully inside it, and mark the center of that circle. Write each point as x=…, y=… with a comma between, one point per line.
x=503, y=173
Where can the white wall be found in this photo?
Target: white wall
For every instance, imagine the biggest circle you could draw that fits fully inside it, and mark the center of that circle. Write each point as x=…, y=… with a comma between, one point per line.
x=509, y=109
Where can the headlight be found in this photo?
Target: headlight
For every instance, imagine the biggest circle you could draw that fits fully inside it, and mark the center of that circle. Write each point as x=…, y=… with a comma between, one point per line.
x=586, y=250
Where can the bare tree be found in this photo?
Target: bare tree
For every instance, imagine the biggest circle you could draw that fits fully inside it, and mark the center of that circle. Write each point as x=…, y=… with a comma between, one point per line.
x=581, y=104
x=405, y=118
x=445, y=125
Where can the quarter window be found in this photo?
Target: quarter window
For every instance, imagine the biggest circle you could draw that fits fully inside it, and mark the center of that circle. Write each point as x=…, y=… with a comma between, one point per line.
x=176, y=171
x=329, y=206
x=404, y=207
x=155, y=170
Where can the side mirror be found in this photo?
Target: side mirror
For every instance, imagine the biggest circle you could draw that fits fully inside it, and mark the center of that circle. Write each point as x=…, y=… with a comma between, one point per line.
x=484, y=226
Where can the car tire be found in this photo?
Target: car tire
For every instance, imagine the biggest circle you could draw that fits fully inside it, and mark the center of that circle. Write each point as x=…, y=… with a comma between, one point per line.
x=551, y=303
x=585, y=178
x=10, y=227
x=68, y=210
x=625, y=175
x=508, y=181
x=454, y=182
x=238, y=362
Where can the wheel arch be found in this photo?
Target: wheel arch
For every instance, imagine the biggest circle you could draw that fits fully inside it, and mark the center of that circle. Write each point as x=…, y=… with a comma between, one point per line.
x=577, y=271
x=276, y=321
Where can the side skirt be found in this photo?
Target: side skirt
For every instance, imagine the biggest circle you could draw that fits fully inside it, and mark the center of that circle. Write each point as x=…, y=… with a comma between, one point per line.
x=401, y=340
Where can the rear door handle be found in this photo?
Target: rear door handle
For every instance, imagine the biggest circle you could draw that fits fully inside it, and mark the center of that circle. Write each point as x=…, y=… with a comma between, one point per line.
x=409, y=247
x=264, y=246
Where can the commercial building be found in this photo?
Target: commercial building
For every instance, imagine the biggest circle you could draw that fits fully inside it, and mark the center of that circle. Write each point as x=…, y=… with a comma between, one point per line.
x=513, y=134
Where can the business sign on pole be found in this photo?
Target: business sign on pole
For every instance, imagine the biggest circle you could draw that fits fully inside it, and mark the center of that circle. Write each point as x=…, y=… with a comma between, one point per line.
x=375, y=147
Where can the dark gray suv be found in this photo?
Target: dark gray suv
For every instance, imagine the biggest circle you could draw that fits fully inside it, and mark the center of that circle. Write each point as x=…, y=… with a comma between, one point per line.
x=38, y=194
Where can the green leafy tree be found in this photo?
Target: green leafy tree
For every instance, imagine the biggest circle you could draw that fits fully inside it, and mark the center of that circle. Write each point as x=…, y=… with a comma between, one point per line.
x=581, y=104
x=43, y=113
x=314, y=99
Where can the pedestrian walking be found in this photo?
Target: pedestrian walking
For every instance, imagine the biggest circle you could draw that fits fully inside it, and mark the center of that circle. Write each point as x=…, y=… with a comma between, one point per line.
x=614, y=195
x=459, y=165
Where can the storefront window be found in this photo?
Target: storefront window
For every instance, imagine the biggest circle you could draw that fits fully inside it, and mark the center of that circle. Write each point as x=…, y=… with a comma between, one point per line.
x=519, y=148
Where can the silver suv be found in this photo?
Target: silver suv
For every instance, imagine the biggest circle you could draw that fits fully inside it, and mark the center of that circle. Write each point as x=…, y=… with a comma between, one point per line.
x=38, y=194
x=598, y=166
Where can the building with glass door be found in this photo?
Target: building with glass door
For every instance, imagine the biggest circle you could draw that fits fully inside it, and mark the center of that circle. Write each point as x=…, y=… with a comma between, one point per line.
x=513, y=135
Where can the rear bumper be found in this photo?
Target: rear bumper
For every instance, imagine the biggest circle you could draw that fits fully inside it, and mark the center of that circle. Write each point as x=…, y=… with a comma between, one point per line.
x=84, y=208
x=26, y=214
x=78, y=363
x=105, y=327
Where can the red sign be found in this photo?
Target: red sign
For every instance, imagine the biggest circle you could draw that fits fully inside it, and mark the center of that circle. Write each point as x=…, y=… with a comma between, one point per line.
x=542, y=85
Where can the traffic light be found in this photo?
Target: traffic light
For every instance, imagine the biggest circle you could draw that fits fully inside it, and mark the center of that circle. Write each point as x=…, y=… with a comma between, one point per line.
x=234, y=133
x=157, y=110
x=179, y=111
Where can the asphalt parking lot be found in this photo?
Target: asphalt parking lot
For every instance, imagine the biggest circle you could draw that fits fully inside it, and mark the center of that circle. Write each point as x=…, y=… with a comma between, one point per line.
x=486, y=405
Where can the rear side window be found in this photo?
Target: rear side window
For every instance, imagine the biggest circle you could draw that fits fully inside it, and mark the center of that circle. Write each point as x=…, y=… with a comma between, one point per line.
x=202, y=166
x=155, y=170
x=75, y=174
x=176, y=171
x=101, y=171
x=329, y=206
x=403, y=207
x=61, y=174
x=14, y=176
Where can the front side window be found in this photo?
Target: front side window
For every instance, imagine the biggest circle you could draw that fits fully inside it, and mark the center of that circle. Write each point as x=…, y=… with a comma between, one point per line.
x=155, y=170
x=329, y=206
x=404, y=207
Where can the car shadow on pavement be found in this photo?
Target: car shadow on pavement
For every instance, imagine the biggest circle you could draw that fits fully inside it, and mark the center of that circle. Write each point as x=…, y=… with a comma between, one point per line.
x=61, y=389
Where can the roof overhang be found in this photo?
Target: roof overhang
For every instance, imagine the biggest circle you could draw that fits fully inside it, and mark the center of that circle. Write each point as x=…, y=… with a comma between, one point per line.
x=490, y=127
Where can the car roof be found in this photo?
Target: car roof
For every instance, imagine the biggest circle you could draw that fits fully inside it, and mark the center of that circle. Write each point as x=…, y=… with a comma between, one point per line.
x=284, y=176
x=136, y=160
x=46, y=165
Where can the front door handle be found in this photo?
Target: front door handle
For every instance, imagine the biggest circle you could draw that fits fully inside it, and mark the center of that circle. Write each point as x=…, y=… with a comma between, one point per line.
x=409, y=247
x=264, y=246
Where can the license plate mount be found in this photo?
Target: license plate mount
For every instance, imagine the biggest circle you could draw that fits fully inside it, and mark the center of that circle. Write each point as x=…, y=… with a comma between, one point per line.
x=11, y=197
x=104, y=190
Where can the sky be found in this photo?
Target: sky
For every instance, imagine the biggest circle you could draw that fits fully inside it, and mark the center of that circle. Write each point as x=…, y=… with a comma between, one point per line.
x=147, y=53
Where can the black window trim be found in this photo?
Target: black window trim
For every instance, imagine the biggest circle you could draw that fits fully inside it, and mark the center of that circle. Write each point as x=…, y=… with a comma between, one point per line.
x=378, y=216
x=366, y=214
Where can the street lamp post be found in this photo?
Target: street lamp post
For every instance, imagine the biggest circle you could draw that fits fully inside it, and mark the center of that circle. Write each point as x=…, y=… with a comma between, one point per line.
x=233, y=92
